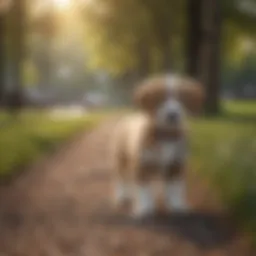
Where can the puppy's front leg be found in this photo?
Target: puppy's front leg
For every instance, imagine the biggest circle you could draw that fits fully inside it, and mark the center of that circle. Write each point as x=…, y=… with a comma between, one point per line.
x=144, y=201
x=175, y=192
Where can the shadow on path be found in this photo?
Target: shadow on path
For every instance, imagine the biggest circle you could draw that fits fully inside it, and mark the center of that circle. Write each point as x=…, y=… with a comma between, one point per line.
x=206, y=231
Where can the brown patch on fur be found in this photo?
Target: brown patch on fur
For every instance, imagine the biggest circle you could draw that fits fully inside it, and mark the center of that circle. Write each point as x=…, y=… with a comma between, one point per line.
x=153, y=91
x=175, y=170
x=150, y=94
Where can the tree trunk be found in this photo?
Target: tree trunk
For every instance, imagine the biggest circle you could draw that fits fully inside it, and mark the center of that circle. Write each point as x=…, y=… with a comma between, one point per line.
x=194, y=37
x=17, y=40
x=210, y=54
x=2, y=57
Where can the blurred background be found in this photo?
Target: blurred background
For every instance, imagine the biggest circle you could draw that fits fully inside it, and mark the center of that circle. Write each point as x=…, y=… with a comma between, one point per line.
x=65, y=65
x=65, y=52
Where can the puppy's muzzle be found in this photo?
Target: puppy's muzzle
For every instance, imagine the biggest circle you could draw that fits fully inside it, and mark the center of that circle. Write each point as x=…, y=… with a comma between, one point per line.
x=172, y=117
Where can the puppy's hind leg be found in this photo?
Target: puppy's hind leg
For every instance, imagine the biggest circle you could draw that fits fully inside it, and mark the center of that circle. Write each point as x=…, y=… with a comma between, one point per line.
x=121, y=185
x=122, y=192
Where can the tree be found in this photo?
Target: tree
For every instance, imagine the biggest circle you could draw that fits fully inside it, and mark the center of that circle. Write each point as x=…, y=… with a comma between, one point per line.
x=238, y=25
x=165, y=24
x=194, y=37
x=144, y=43
x=113, y=39
x=2, y=56
x=4, y=8
x=150, y=40
x=17, y=21
x=204, y=20
x=214, y=29
x=210, y=53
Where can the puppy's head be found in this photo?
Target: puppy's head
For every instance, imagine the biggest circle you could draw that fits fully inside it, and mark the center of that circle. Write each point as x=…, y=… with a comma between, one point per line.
x=168, y=98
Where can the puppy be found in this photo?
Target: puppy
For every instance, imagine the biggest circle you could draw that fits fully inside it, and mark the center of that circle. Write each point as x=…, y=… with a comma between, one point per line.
x=153, y=142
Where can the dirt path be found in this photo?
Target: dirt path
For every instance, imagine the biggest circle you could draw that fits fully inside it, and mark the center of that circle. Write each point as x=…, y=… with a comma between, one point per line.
x=62, y=208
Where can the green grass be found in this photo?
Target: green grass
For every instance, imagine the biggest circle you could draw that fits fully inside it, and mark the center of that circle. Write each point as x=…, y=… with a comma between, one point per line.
x=23, y=139
x=224, y=152
x=241, y=108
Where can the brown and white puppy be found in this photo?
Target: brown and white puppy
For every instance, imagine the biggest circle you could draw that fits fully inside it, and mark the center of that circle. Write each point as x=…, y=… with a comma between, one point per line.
x=153, y=142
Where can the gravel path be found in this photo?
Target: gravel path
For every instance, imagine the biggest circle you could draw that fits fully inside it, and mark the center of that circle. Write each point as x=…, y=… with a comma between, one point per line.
x=61, y=207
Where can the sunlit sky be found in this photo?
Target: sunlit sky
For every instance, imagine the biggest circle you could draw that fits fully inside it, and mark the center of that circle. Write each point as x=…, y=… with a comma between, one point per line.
x=62, y=4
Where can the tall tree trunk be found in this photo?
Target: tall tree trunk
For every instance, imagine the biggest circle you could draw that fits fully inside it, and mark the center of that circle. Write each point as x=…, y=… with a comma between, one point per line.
x=194, y=37
x=210, y=54
x=17, y=52
x=2, y=56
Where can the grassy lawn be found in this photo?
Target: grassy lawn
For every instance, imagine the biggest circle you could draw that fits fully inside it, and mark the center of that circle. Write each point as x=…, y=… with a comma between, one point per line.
x=33, y=133
x=224, y=152
x=241, y=108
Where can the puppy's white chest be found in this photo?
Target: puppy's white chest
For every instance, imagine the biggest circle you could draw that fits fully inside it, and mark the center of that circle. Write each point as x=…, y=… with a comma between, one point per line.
x=163, y=154
x=167, y=153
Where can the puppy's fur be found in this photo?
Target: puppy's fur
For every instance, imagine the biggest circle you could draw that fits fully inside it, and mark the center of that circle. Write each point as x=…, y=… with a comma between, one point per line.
x=153, y=142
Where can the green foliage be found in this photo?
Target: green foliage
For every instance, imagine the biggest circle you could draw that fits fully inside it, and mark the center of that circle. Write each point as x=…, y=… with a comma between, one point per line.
x=224, y=151
x=26, y=137
x=114, y=38
x=236, y=76
x=111, y=34
x=238, y=26
x=242, y=19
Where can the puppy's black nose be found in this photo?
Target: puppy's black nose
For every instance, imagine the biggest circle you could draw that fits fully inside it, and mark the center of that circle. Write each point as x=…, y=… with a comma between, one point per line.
x=172, y=117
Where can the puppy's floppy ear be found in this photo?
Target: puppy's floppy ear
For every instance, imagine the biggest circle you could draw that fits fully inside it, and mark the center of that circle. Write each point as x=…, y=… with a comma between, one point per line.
x=149, y=93
x=192, y=94
x=142, y=95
